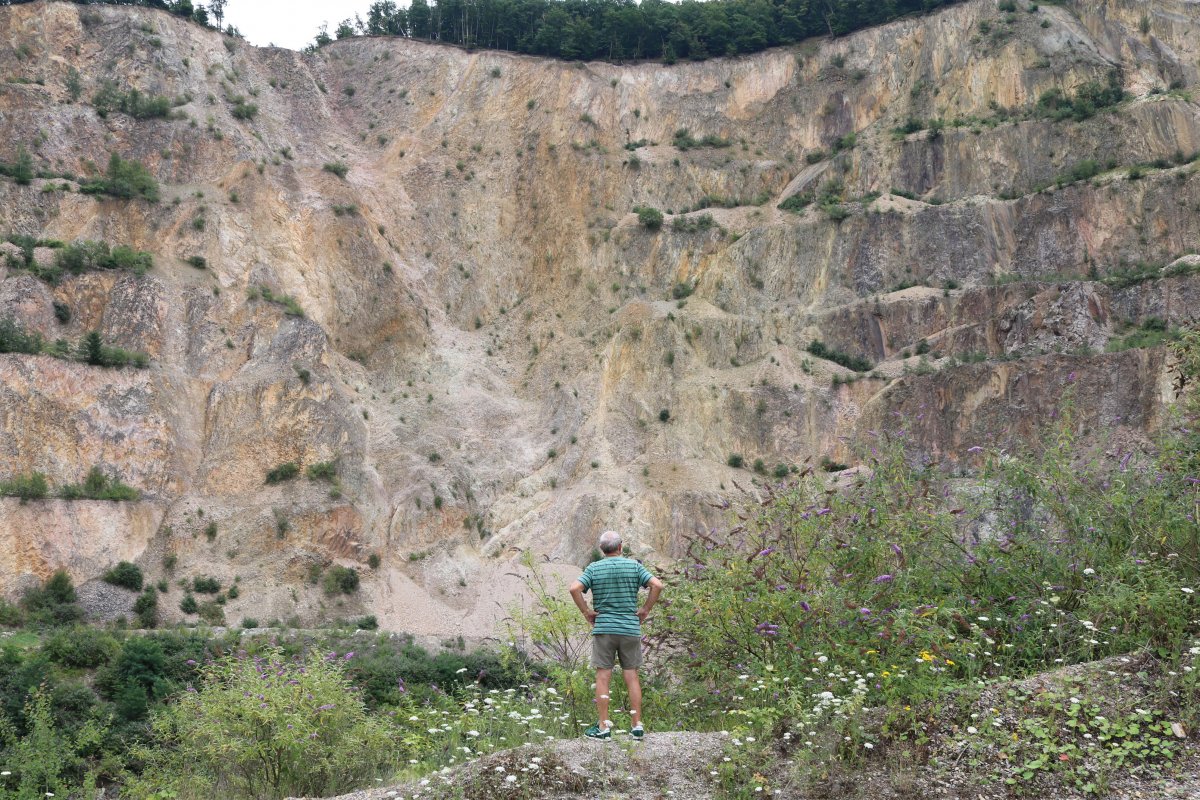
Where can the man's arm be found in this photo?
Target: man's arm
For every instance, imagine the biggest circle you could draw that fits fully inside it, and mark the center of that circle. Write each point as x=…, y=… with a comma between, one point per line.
x=576, y=590
x=656, y=587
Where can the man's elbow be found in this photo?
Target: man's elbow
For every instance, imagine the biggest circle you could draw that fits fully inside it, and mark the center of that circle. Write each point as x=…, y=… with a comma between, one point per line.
x=576, y=588
x=656, y=584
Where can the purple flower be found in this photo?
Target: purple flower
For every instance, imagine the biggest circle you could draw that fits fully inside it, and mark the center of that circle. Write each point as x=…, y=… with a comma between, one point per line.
x=975, y=449
x=191, y=662
x=896, y=549
x=349, y=655
x=805, y=606
x=866, y=612
x=326, y=707
x=883, y=579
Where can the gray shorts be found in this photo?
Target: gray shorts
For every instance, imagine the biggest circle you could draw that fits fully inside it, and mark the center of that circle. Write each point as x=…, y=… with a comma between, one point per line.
x=607, y=646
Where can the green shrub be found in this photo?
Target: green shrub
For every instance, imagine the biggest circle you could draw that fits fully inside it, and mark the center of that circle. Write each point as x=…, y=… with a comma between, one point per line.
x=856, y=363
x=27, y=487
x=268, y=729
x=146, y=608
x=125, y=575
x=132, y=103
x=93, y=350
x=54, y=602
x=797, y=202
x=684, y=140
x=283, y=472
x=290, y=305
x=683, y=289
x=81, y=647
x=124, y=179
x=337, y=168
x=1089, y=98
x=322, y=471
x=243, y=110
x=736, y=461
x=14, y=338
x=847, y=142
x=188, y=604
x=50, y=757
x=205, y=585
x=20, y=170
x=649, y=218
x=701, y=222
x=99, y=486
x=340, y=580
x=199, y=262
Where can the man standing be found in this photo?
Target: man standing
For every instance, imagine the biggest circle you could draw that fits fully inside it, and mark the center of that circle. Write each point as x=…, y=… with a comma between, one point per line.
x=616, y=626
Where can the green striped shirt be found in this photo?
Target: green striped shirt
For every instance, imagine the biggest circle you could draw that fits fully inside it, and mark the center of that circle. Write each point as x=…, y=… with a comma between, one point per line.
x=614, y=582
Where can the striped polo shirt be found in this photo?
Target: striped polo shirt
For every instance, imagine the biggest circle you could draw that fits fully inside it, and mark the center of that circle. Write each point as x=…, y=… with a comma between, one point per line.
x=614, y=582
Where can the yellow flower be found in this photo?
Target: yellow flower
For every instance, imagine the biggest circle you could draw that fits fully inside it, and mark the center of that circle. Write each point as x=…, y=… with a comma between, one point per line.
x=948, y=661
x=926, y=655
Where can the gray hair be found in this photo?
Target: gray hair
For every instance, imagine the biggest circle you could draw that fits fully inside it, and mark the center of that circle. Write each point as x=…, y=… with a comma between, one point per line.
x=610, y=542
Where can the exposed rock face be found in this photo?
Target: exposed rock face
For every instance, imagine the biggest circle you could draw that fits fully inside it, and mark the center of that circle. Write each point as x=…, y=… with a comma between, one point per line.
x=490, y=339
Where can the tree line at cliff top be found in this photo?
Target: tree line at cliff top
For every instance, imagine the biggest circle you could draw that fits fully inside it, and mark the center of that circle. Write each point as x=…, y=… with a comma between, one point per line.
x=613, y=30
x=622, y=29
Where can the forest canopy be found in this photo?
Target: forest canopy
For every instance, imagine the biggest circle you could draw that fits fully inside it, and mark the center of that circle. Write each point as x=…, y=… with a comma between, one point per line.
x=610, y=30
x=617, y=30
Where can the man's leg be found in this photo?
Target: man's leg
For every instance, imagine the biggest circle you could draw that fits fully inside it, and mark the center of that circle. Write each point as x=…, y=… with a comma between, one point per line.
x=634, y=687
x=603, y=680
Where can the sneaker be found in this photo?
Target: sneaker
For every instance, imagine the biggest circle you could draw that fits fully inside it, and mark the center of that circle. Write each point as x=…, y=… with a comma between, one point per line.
x=637, y=732
x=596, y=732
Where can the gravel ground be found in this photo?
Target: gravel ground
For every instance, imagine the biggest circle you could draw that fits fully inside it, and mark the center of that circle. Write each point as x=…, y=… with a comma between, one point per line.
x=676, y=765
x=662, y=765
x=103, y=602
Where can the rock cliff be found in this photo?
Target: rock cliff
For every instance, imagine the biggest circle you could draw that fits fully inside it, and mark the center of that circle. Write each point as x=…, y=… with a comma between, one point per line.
x=492, y=348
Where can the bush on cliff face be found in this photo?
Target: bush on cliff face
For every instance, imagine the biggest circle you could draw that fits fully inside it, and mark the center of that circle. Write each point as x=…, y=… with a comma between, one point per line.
x=132, y=102
x=99, y=486
x=126, y=575
x=123, y=179
x=282, y=473
x=1088, y=99
x=53, y=603
x=15, y=339
x=84, y=256
x=93, y=350
x=340, y=580
x=649, y=218
x=26, y=487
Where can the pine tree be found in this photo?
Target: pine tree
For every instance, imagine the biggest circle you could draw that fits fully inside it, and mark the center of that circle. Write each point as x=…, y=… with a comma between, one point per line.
x=93, y=349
